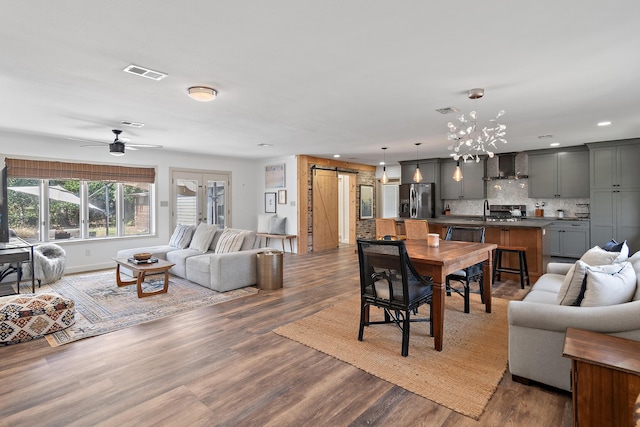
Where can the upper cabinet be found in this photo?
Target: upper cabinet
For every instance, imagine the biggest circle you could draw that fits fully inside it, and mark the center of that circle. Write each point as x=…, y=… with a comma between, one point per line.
x=615, y=166
x=559, y=174
x=472, y=185
x=428, y=168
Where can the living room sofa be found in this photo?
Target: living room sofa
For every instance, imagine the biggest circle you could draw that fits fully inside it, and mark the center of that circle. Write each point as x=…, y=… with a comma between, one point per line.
x=538, y=323
x=207, y=265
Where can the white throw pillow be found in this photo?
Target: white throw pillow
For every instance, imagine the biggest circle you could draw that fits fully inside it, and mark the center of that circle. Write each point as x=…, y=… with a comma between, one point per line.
x=230, y=241
x=263, y=222
x=202, y=237
x=572, y=284
x=181, y=236
x=609, y=288
x=598, y=256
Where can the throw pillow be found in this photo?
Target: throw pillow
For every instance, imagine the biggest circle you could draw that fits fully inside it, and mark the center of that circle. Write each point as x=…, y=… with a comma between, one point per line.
x=609, y=287
x=598, y=256
x=572, y=284
x=202, y=237
x=230, y=241
x=181, y=236
x=278, y=225
x=263, y=222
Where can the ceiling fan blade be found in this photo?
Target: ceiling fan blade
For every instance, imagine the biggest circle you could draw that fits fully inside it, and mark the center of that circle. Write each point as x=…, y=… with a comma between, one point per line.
x=144, y=146
x=88, y=140
x=129, y=147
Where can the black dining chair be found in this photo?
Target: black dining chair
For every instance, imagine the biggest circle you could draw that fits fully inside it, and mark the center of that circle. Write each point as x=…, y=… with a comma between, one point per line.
x=388, y=280
x=469, y=274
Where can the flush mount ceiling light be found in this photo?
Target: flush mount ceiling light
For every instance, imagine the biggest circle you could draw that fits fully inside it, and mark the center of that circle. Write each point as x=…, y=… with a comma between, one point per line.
x=202, y=93
x=470, y=140
x=385, y=177
x=417, y=176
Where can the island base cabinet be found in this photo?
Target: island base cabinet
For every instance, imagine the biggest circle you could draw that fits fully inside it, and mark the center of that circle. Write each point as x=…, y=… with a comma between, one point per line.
x=530, y=238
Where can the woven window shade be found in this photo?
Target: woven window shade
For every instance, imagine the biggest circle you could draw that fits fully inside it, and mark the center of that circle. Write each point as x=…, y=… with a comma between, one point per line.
x=21, y=168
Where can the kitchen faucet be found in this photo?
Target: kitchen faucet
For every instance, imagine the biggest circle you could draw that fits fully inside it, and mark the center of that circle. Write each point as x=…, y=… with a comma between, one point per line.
x=485, y=208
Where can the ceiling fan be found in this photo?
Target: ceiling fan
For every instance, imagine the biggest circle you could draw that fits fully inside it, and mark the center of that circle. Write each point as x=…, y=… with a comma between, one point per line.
x=116, y=148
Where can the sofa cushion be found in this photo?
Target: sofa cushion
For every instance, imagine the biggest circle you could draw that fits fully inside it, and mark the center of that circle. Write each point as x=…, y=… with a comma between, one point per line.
x=609, y=285
x=181, y=236
x=635, y=263
x=202, y=237
x=230, y=241
x=263, y=222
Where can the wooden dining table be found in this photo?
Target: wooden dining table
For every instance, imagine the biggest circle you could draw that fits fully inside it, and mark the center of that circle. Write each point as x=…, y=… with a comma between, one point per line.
x=447, y=258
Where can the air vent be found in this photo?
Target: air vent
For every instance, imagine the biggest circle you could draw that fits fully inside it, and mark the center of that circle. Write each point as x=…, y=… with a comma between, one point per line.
x=447, y=110
x=145, y=72
x=132, y=124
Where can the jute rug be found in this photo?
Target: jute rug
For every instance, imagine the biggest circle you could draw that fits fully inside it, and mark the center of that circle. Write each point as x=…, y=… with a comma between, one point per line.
x=462, y=377
x=103, y=307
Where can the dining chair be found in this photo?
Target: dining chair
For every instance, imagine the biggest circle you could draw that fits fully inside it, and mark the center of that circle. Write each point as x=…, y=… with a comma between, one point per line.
x=388, y=280
x=416, y=229
x=475, y=273
x=386, y=229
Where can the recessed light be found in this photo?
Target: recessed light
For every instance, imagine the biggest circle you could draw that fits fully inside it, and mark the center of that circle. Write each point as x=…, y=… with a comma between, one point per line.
x=382, y=163
x=546, y=136
x=604, y=123
x=336, y=155
x=554, y=144
x=262, y=144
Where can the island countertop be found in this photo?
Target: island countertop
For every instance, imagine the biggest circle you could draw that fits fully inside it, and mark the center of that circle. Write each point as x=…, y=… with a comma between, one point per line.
x=478, y=222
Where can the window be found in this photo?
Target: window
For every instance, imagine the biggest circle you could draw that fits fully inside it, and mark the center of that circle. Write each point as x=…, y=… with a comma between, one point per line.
x=44, y=207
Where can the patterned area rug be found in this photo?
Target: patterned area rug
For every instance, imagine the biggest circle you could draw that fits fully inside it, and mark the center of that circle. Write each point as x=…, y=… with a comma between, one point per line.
x=103, y=307
x=462, y=377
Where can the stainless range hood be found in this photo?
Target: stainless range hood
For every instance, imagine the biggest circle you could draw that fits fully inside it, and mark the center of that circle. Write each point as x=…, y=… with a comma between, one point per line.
x=507, y=166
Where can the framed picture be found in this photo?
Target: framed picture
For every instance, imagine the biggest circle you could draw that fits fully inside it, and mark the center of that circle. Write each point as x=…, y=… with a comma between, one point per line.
x=270, y=202
x=282, y=197
x=366, y=202
x=274, y=176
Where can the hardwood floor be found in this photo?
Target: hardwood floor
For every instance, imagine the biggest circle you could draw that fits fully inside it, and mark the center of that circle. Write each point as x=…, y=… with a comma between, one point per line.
x=222, y=365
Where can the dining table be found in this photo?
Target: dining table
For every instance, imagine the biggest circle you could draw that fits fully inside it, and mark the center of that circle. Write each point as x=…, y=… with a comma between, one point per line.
x=448, y=257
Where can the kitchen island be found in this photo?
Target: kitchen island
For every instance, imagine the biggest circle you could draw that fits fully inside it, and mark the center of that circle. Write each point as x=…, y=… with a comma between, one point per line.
x=530, y=233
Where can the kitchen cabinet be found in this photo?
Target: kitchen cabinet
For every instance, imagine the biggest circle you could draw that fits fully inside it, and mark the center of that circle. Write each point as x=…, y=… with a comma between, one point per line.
x=569, y=239
x=472, y=185
x=615, y=192
x=559, y=174
x=534, y=239
x=428, y=168
x=605, y=378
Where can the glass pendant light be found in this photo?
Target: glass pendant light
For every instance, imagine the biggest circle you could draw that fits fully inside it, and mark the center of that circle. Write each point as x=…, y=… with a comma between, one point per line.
x=417, y=176
x=457, y=174
x=385, y=177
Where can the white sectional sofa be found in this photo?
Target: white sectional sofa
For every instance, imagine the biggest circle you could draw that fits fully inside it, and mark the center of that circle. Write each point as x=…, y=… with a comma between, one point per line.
x=538, y=323
x=206, y=264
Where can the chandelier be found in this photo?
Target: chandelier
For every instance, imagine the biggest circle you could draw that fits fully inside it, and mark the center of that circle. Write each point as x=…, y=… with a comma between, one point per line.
x=470, y=140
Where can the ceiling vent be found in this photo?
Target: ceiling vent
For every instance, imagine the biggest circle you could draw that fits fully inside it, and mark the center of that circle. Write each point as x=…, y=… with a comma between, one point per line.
x=132, y=124
x=145, y=72
x=447, y=110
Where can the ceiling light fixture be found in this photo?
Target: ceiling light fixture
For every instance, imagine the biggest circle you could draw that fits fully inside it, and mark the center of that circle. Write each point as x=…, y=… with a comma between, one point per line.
x=202, y=93
x=263, y=144
x=554, y=144
x=469, y=139
x=605, y=123
x=417, y=176
x=336, y=155
x=457, y=173
x=385, y=177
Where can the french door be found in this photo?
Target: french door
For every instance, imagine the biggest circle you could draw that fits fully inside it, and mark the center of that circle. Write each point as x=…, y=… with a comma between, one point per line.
x=201, y=197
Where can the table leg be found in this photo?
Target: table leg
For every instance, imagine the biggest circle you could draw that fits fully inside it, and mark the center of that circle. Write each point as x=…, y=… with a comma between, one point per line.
x=121, y=282
x=140, y=281
x=291, y=244
x=488, y=281
x=282, y=240
x=437, y=314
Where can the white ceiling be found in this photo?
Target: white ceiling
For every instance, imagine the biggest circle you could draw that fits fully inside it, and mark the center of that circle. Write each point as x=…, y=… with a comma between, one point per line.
x=320, y=77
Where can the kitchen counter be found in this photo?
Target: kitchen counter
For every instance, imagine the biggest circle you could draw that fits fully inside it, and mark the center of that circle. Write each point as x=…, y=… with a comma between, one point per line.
x=478, y=222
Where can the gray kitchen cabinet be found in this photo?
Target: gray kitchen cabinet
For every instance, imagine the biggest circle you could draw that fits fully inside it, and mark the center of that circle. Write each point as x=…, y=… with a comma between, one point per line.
x=559, y=174
x=569, y=239
x=472, y=185
x=428, y=168
x=615, y=192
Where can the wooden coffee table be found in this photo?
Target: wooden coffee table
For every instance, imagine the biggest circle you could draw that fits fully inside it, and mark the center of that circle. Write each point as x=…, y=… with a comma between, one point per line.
x=140, y=271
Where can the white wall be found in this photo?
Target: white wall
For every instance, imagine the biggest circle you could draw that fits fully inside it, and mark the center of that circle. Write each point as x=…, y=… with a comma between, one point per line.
x=290, y=209
x=90, y=255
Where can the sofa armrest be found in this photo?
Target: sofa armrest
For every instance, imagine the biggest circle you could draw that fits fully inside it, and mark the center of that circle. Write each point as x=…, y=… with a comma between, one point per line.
x=558, y=268
x=233, y=270
x=557, y=318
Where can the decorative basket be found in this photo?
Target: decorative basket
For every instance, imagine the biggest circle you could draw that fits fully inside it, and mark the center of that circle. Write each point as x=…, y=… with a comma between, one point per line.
x=143, y=256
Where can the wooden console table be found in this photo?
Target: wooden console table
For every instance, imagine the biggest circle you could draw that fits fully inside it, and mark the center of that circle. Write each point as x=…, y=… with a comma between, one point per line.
x=605, y=376
x=282, y=237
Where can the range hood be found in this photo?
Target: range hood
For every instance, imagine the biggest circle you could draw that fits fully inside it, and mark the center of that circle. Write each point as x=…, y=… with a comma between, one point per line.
x=507, y=166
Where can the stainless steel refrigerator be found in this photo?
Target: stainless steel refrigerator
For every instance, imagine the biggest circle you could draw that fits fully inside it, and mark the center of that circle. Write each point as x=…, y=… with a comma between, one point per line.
x=417, y=200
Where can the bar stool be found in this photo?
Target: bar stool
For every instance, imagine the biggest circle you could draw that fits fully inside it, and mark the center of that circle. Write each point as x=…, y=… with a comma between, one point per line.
x=523, y=270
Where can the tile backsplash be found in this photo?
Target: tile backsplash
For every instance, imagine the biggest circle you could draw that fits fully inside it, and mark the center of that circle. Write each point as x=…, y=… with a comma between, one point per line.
x=515, y=192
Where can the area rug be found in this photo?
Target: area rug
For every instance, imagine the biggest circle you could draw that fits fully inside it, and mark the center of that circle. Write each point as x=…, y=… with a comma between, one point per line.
x=102, y=306
x=462, y=377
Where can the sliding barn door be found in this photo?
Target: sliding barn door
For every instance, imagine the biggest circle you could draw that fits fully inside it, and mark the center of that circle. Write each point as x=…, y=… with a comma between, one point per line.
x=325, y=210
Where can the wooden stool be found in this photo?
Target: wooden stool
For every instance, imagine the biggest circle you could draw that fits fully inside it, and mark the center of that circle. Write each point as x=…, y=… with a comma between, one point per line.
x=523, y=271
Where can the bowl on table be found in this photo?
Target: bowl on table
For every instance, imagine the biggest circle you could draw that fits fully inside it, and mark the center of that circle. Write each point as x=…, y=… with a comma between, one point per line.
x=142, y=256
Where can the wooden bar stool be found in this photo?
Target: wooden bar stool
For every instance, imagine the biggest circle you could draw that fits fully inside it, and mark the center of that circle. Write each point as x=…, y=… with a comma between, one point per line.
x=523, y=270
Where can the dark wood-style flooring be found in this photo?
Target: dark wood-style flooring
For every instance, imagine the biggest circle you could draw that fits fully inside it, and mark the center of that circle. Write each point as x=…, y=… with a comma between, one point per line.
x=223, y=365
